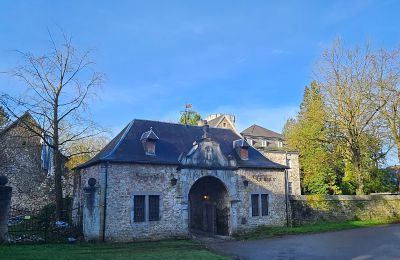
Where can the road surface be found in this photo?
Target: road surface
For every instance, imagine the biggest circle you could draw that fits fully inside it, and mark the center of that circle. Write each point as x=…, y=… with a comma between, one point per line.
x=381, y=242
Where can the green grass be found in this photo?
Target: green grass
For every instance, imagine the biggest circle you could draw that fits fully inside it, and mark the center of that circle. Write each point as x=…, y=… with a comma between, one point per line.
x=267, y=232
x=167, y=249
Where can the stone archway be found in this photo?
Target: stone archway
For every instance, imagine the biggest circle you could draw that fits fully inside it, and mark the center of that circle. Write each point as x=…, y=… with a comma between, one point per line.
x=209, y=206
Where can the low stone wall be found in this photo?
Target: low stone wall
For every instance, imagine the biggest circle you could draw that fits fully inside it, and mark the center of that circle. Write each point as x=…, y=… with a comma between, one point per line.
x=309, y=209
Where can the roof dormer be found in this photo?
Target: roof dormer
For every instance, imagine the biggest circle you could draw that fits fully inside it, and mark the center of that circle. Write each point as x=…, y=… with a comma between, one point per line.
x=242, y=148
x=149, y=139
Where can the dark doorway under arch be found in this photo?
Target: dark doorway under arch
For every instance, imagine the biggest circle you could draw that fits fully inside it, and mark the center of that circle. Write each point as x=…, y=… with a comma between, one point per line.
x=209, y=206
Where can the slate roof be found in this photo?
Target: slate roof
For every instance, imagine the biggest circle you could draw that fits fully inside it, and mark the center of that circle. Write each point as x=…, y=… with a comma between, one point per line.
x=174, y=139
x=256, y=130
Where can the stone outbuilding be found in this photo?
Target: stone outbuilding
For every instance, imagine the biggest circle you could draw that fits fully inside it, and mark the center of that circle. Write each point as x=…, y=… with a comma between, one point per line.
x=22, y=164
x=272, y=145
x=160, y=180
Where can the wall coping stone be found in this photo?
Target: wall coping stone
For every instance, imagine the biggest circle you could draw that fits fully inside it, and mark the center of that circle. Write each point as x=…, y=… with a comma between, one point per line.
x=344, y=197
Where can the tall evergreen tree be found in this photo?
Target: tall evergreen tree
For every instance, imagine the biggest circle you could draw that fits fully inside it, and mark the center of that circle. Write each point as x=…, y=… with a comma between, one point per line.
x=310, y=136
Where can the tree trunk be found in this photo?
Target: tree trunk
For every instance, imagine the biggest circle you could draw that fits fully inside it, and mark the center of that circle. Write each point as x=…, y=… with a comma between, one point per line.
x=358, y=170
x=57, y=164
x=58, y=184
x=398, y=148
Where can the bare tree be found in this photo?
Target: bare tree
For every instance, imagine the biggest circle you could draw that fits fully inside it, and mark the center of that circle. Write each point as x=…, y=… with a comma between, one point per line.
x=386, y=65
x=346, y=77
x=58, y=86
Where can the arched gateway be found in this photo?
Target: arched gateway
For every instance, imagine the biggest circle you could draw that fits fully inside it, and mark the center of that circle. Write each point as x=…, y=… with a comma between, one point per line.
x=209, y=206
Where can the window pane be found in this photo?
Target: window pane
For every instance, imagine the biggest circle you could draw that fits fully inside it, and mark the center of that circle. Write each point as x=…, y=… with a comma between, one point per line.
x=154, y=207
x=254, y=205
x=289, y=187
x=264, y=204
x=139, y=208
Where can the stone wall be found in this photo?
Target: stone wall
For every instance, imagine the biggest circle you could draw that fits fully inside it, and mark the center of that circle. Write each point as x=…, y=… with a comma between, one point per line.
x=264, y=182
x=309, y=209
x=20, y=161
x=294, y=171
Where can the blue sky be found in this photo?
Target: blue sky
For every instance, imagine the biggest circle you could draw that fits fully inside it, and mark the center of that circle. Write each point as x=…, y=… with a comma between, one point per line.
x=248, y=58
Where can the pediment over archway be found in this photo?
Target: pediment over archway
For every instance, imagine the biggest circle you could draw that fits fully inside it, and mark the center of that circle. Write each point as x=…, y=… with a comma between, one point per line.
x=207, y=153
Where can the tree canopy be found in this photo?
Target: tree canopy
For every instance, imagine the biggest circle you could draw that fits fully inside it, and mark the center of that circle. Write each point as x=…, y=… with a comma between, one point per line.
x=347, y=121
x=190, y=117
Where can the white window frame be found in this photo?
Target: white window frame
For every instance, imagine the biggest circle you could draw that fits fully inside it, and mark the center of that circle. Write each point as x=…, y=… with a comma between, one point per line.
x=289, y=163
x=264, y=143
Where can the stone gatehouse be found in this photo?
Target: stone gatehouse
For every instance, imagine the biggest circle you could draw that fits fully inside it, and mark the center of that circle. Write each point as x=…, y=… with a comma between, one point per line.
x=158, y=180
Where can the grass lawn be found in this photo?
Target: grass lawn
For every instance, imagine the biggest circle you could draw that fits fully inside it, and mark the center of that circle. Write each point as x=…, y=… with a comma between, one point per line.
x=167, y=249
x=267, y=232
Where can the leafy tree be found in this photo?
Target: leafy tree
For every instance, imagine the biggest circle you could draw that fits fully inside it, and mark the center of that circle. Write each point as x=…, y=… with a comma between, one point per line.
x=386, y=68
x=83, y=150
x=345, y=77
x=379, y=180
x=189, y=117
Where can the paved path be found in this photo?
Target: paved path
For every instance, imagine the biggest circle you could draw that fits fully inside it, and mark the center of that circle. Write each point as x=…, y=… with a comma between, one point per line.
x=382, y=242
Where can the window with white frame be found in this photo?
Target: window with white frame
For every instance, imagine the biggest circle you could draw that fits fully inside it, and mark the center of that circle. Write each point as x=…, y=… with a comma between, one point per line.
x=259, y=205
x=289, y=163
x=290, y=188
x=146, y=208
x=249, y=141
x=264, y=143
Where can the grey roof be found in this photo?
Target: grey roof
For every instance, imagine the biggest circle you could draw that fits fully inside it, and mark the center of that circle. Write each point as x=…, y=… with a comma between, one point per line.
x=174, y=140
x=256, y=130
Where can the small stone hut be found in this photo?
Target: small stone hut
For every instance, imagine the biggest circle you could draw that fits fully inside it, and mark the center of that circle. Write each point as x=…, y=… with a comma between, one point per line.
x=160, y=180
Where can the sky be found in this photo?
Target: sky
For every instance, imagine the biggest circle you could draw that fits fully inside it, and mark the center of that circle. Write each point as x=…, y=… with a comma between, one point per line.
x=247, y=58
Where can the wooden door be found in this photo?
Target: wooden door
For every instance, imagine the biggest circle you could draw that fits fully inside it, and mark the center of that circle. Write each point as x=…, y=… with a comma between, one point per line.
x=209, y=217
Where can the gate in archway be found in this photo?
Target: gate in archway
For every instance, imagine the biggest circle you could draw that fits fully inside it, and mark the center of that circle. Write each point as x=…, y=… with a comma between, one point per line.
x=209, y=206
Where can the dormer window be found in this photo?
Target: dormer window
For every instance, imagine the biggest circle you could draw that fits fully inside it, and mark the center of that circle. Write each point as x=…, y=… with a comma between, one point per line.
x=149, y=140
x=244, y=153
x=242, y=148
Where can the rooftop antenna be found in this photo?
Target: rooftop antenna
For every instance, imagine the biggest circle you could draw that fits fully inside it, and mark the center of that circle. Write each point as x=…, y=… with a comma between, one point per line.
x=186, y=113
